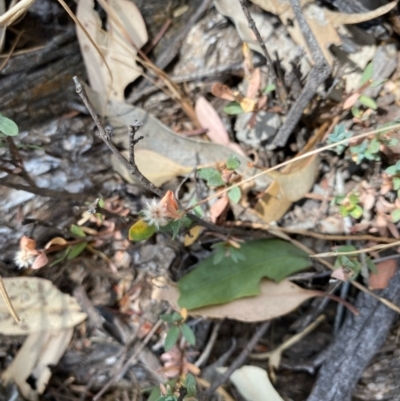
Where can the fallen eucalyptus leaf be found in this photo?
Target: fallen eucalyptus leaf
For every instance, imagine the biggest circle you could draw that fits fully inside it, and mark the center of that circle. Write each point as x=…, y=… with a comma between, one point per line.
x=274, y=300
x=253, y=383
x=40, y=306
x=115, y=44
x=155, y=167
x=38, y=354
x=141, y=231
x=271, y=258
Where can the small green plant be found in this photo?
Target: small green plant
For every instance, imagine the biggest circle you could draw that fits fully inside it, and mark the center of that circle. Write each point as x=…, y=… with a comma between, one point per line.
x=225, y=249
x=178, y=328
x=7, y=127
x=339, y=134
x=175, y=390
x=349, y=205
x=394, y=172
x=224, y=177
x=351, y=264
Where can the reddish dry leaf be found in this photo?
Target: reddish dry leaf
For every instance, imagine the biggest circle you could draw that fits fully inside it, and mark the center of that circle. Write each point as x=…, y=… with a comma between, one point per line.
x=218, y=207
x=40, y=261
x=222, y=92
x=254, y=84
x=28, y=245
x=386, y=271
x=209, y=118
x=351, y=101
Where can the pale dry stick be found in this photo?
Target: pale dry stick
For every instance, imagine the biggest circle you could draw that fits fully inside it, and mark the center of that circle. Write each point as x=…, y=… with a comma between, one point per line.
x=262, y=356
x=371, y=249
x=278, y=166
x=327, y=237
x=220, y=390
x=308, y=250
x=237, y=362
x=76, y=20
x=210, y=344
x=7, y=301
x=129, y=362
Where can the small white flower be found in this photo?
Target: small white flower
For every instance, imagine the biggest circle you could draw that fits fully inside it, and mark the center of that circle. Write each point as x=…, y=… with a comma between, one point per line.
x=155, y=214
x=23, y=259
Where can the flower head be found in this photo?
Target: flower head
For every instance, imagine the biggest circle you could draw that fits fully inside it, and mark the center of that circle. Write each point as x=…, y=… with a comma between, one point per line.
x=155, y=214
x=158, y=214
x=23, y=259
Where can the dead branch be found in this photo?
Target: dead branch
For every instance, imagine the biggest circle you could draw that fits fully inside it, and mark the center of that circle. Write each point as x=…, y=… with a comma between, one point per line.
x=318, y=74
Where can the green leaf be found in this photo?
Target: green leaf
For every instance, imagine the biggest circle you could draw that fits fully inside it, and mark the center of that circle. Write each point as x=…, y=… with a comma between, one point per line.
x=392, y=142
x=353, y=199
x=269, y=88
x=188, y=334
x=391, y=170
x=371, y=265
x=356, y=212
x=166, y=317
x=8, y=127
x=219, y=255
x=375, y=84
x=176, y=317
x=356, y=112
x=367, y=74
x=235, y=194
x=396, y=183
x=271, y=258
x=77, y=231
x=212, y=176
x=190, y=384
x=395, y=215
x=232, y=163
x=368, y=102
x=171, y=338
x=233, y=108
x=141, y=231
x=156, y=392
x=60, y=259
x=76, y=250
x=343, y=211
x=176, y=225
x=374, y=146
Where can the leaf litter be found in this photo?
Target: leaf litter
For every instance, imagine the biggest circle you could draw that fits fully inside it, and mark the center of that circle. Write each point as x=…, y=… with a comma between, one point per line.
x=165, y=156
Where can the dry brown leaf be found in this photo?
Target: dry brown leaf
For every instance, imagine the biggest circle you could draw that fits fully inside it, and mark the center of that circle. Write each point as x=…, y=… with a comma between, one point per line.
x=40, y=306
x=273, y=204
x=275, y=299
x=155, y=167
x=386, y=271
x=254, y=85
x=55, y=241
x=15, y=12
x=295, y=184
x=39, y=352
x=209, y=119
x=350, y=101
x=115, y=45
x=218, y=207
x=194, y=232
x=222, y=91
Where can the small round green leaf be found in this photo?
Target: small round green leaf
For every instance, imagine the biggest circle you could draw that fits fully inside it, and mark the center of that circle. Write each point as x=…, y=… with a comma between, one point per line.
x=232, y=163
x=368, y=102
x=235, y=194
x=141, y=231
x=395, y=215
x=171, y=338
x=233, y=108
x=8, y=127
x=188, y=334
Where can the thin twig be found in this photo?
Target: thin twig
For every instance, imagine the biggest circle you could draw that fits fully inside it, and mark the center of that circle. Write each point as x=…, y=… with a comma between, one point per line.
x=64, y=195
x=210, y=344
x=7, y=301
x=237, y=362
x=253, y=27
x=287, y=162
x=129, y=362
x=318, y=74
x=106, y=136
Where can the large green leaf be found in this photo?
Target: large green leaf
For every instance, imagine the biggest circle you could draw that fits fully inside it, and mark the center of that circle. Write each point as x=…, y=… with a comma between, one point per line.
x=209, y=284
